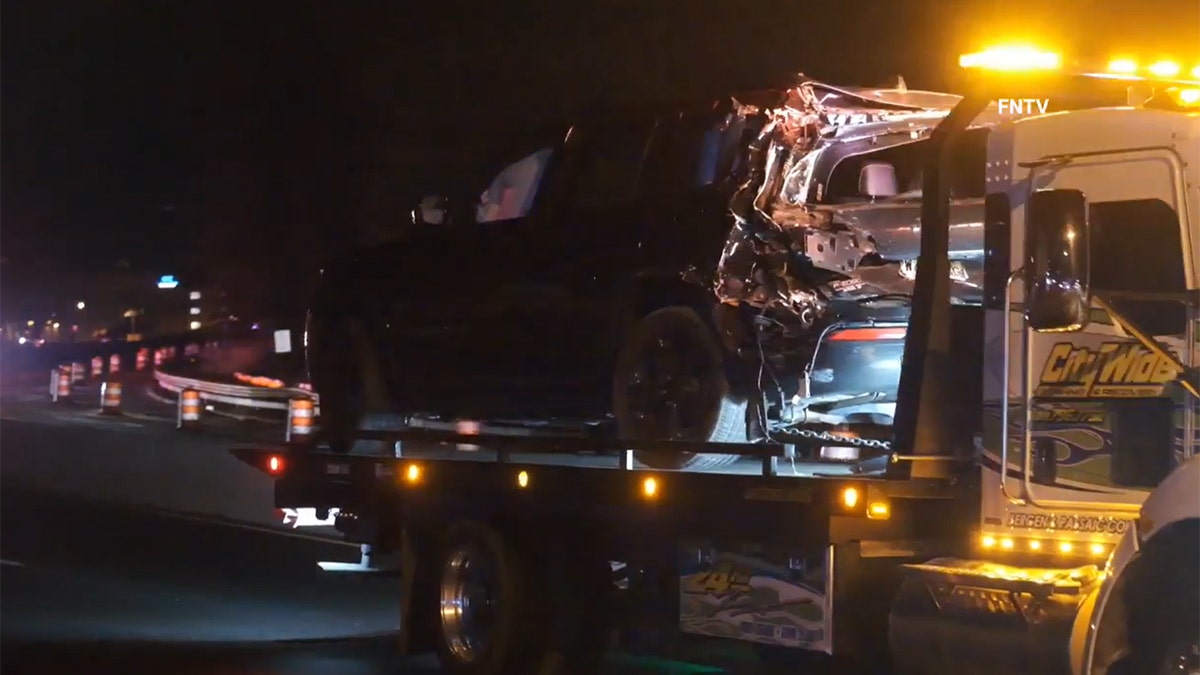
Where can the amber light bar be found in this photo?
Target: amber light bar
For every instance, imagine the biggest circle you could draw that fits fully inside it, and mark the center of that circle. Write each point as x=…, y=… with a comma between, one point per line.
x=1052, y=545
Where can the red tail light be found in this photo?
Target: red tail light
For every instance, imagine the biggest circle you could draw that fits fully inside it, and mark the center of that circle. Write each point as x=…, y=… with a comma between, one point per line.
x=275, y=465
x=868, y=334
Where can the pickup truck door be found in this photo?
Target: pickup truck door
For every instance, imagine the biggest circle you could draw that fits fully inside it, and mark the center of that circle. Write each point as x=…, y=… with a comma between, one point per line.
x=578, y=249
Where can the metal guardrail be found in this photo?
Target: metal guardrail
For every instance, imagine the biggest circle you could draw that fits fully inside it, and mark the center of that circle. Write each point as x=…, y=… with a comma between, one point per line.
x=240, y=395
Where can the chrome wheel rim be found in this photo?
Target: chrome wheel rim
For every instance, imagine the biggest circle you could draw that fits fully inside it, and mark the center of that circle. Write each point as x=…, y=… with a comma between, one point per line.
x=467, y=602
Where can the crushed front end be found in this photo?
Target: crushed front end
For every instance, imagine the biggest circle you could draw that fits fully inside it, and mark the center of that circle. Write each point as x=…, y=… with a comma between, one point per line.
x=815, y=278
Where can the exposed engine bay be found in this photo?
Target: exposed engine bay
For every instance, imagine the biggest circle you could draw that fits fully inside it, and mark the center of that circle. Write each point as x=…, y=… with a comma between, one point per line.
x=826, y=228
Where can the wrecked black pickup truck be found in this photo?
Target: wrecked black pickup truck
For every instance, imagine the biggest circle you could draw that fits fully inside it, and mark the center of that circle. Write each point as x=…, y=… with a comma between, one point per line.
x=722, y=272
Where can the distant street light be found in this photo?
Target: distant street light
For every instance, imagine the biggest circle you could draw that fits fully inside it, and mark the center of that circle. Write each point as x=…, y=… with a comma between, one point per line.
x=80, y=305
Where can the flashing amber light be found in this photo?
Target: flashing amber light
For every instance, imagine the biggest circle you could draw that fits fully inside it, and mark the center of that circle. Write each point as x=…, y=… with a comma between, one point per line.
x=650, y=487
x=274, y=464
x=988, y=541
x=1123, y=66
x=1065, y=547
x=1164, y=69
x=413, y=473
x=1189, y=96
x=1035, y=545
x=879, y=511
x=850, y=497
x=1011, y=59
x=523, y=479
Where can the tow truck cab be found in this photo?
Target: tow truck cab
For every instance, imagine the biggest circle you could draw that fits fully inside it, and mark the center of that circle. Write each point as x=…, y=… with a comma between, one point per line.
x=1089, y=398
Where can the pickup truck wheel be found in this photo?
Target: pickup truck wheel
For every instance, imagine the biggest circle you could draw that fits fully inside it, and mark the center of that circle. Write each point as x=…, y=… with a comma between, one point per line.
x=486, y=618
x=670, y=384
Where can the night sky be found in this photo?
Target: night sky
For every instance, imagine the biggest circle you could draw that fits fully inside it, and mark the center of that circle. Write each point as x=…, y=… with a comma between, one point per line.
x=172, y=134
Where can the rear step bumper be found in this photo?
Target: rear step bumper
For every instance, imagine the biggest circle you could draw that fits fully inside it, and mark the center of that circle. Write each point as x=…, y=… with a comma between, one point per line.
x=954, y=615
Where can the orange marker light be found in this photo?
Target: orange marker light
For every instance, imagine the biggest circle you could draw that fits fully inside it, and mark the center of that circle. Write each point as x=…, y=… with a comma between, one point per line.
x=850, y=497
x=650, y=487
x=413, y=473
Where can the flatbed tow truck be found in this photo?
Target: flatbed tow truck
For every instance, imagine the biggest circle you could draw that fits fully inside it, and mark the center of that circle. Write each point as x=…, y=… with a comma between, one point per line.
x=1063, y=536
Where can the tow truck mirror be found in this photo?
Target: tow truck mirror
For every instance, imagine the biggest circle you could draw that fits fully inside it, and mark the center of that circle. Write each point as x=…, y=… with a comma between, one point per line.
x=1057, y=296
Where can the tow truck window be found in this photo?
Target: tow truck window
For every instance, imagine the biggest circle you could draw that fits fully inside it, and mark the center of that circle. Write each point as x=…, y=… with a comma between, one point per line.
x=1136, y=247
x=513, y=190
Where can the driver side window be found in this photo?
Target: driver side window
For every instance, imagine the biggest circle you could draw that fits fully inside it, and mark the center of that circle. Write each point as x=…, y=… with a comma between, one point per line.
x=512, y=192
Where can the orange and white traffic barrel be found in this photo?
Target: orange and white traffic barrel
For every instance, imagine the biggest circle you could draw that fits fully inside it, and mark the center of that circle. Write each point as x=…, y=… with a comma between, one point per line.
x=301, y=415
x=97, y=367
x=142, y=357
x=76, y=372
x=110, y=398
x=114, y=363
x=189, y=409
x=60, y=384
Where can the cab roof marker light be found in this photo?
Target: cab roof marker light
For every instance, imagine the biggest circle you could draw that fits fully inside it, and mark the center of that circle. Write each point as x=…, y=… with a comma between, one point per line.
x=1196, y=72
x=1164, y=69
x=1123, y=66
x=1012, y=58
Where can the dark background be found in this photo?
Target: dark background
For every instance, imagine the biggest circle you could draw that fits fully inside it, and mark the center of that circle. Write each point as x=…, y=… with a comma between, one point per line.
x=240, y=142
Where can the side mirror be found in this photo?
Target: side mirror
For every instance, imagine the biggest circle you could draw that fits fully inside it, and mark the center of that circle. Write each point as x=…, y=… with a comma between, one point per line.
x=430, y=211
x=877, y=179
x=1057, y=297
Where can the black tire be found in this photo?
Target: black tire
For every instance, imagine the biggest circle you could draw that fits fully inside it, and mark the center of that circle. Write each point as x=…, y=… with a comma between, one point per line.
x=715, y=414
x=353, y=392
x=506, y=629
x=1162, y=600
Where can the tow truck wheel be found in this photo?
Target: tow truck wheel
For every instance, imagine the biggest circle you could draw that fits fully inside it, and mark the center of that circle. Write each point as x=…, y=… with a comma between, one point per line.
x=670, y=384
x=485, y=615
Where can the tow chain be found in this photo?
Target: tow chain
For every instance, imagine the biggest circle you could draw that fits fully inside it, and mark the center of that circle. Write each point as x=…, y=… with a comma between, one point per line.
x=834, y=439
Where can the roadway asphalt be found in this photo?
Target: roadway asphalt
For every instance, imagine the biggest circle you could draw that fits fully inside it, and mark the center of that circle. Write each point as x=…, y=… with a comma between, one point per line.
x=129, y=546
x=118, y=589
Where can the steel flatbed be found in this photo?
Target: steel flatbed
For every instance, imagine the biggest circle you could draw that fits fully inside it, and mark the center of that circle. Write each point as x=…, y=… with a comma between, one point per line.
x=768, y=497
x=824, y=530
